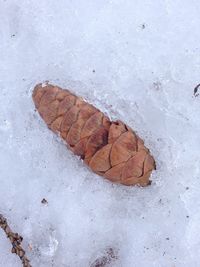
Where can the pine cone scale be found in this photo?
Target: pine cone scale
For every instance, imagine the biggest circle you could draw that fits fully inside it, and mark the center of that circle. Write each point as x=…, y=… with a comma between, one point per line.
x=101, y=159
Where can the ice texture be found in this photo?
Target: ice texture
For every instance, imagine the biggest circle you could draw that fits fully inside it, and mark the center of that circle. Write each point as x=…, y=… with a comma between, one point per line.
x=139, y=61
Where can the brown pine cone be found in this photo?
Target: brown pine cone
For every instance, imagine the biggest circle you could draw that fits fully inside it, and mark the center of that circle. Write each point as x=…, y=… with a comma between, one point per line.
x=110, y=149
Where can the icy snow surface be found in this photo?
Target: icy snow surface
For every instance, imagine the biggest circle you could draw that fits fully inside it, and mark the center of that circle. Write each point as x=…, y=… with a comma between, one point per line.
x=137, y=60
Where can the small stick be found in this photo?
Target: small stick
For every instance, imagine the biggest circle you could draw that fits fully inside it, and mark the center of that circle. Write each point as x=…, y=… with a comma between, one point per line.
x=15, y=240
x=196, y=90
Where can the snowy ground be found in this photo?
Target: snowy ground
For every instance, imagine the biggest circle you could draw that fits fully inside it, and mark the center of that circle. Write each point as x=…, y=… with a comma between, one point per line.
x=138, y=61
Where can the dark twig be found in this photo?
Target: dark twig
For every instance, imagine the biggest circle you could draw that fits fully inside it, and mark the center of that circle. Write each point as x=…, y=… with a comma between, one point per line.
x=196, y=90
x=15, y=240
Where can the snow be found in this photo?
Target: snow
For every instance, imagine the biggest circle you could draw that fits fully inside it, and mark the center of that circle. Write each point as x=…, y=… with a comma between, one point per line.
x=138, y=61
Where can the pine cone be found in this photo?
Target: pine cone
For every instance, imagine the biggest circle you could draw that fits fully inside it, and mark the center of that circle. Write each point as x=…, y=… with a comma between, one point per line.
x=110, y=149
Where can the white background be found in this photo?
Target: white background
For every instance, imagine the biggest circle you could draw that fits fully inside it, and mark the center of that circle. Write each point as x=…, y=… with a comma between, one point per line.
x=137, y=60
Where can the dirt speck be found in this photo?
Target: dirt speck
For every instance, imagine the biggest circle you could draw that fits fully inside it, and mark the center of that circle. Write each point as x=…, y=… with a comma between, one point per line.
x=157, y=85
x=143, y=26
x=44, y=201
